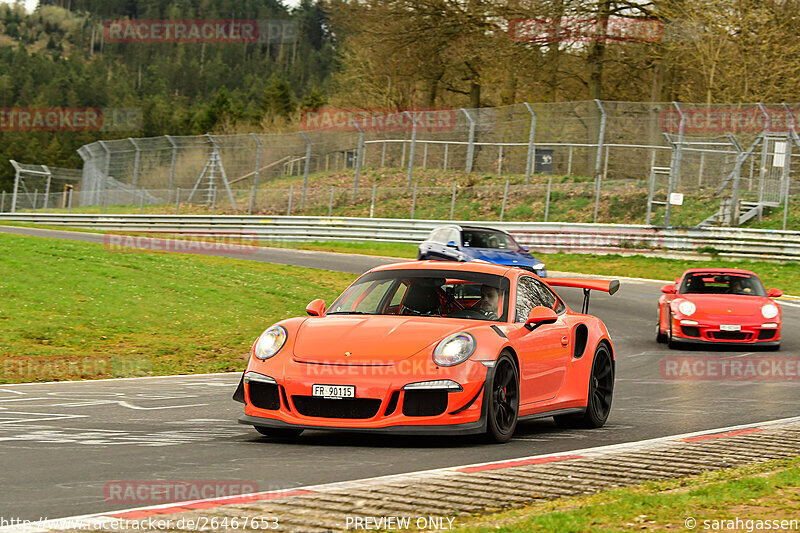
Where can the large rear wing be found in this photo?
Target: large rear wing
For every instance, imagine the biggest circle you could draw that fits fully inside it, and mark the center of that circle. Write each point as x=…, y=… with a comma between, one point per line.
x=610, y=286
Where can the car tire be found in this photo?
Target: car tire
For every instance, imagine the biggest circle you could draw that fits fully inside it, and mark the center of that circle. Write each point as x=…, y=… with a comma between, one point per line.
x=279, y=433
x=661, y=338
x=672, y=344
x=600, y=394
x=502, y=410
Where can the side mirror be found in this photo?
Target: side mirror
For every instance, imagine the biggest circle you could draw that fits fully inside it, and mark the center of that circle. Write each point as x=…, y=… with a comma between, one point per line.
x=451, y=244
x=540, y=315
x=774, y=293
x=525, y=249
x=668, y=289
x=316, y=308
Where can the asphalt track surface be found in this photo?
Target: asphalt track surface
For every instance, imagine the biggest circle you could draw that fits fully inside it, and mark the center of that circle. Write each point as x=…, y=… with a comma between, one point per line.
x=61, y=443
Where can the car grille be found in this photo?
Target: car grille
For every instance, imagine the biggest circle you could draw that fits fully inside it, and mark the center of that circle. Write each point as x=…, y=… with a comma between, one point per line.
x=264, y=395
x=690, y=331
x=332, y=408
x=765, y=334
x=730, y=335
x=424, y=402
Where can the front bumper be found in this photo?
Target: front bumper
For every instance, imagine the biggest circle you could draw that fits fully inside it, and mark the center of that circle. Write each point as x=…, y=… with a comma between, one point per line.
x=381, y=404
x=707, y=333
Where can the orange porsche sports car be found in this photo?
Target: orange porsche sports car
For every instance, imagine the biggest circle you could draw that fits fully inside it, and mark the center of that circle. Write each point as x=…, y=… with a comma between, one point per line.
x=431, y=347
x=719, y=305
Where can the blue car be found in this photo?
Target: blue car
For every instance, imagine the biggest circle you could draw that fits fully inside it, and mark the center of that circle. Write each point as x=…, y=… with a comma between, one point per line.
x=463, y=243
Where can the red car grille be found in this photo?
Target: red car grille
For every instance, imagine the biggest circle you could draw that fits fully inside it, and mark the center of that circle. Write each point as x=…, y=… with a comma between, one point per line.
x=730, y=335
x=330, y=408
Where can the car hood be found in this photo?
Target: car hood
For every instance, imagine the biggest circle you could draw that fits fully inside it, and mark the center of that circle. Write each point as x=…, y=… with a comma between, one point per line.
x=726, y=305
x=502, y=257
x=369, y=339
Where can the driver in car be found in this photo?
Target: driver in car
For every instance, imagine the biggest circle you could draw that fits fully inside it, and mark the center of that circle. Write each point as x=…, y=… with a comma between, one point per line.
x=490, y=299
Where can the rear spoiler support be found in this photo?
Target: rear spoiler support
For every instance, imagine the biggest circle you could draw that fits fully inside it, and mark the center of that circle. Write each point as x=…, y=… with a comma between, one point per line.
x=588, y=285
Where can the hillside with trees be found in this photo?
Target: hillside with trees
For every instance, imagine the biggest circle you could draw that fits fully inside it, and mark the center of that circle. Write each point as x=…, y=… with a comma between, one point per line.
x=384, y=53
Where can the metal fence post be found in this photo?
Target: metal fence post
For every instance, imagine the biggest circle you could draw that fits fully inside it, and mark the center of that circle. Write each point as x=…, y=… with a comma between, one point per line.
x=2, y=201
x=413, y=146
x=547, y=200
x=330, y=202
x=136, y=159
x=289, y=206
x=787, y=163
x=252, y=198
x=531, y=161
x=499, y=159
x=257, y=172
x=174, y=161
x=305, y=170
x=177, y=199
x=35, y=195
x=471, y=141
x=569, y=161
x=372, y=205
x=141, y=202
x=214, y=200
x=675, y=166
x=16, y=186
x=762, y=174
x=453, y=200
x=503, y=206
x=598, y=177
x=47, y=187
x=383, y=154
x=69, y=201
x=359, y=152
x=425, y=156
x=414, y=202
x=106, y=172
x=446, y=146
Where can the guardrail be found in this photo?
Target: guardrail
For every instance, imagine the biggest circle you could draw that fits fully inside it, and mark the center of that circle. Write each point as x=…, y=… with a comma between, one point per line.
x=540, y=236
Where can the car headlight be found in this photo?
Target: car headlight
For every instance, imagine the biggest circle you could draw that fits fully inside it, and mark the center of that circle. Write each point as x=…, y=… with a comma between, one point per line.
x=769, y=311
x=454, y=349
x=270, y=342
x=538, y=266
x=687, y=308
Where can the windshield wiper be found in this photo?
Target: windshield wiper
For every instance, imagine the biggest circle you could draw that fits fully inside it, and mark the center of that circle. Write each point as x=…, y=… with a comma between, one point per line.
x=349, y=313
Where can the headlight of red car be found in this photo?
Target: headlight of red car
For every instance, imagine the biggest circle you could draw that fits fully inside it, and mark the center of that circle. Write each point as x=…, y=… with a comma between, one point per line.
x=687, y=308
x=270, y=342
x=454, y=349
x=769, y=311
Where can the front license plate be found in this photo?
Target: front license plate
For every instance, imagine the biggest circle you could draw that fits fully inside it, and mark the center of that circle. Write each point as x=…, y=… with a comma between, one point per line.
x=730, y=327
x=334, y=391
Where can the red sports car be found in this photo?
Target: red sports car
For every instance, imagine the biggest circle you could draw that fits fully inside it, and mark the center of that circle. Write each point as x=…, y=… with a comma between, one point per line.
x=432, y=347
x=719, y=305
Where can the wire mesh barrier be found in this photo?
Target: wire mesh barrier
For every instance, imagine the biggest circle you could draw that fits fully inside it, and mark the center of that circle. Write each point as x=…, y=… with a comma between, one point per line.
x=655, y=163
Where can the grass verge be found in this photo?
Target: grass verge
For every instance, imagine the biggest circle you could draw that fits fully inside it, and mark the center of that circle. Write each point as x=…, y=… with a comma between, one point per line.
x=764, y=491
x=75, y=310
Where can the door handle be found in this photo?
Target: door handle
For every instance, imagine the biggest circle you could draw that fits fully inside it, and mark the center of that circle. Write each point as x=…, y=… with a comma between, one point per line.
x=564, y=340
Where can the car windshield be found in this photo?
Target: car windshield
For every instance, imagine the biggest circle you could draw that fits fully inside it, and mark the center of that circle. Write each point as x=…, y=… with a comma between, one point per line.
x=488, y=239
x=434, y=293
x=722, y=283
